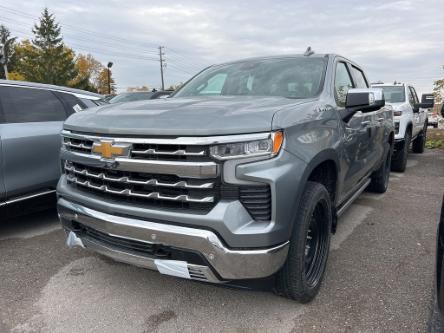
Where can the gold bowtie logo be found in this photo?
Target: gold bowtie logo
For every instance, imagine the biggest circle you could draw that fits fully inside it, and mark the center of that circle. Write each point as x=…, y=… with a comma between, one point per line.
x=107, y=149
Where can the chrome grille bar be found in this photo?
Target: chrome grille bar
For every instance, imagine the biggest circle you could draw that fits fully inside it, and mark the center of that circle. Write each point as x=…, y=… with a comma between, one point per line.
x=132, y=193
x=199, y=141
x=129, y=180
x=180, y=152
x=77, y=145
x=179, y=168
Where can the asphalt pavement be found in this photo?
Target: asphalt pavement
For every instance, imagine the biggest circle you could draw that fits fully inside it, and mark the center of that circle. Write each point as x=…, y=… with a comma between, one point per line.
x=379, y=277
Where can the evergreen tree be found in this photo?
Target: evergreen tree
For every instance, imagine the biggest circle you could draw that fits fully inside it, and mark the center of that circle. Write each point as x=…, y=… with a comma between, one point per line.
x=8, y=41
x=47, y=59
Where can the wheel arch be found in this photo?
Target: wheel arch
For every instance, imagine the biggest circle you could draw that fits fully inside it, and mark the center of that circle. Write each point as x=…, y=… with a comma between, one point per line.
x=324, y=168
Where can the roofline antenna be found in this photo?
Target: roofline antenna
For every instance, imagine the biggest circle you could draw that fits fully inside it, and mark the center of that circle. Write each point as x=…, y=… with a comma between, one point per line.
x=308, y=52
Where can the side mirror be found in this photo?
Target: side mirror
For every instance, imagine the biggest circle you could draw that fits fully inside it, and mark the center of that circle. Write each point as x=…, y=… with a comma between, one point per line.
x=364, y=100
x=427, y=101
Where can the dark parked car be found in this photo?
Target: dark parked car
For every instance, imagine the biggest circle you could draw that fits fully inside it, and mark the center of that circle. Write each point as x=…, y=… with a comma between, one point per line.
x=31, y=118
x=138, y=96
x=440, y=263
x=241, y=174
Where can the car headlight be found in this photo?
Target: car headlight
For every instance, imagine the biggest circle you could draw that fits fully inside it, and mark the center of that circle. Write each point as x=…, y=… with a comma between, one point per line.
x=397, y=113
x=267, y=147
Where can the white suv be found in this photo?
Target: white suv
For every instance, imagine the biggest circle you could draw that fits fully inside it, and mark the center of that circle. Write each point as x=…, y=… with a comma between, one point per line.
x=410, y=120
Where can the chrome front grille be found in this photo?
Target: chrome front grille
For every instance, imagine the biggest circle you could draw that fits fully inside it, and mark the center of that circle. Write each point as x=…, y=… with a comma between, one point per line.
x=141, y=185
x=139, y=150
x=157, y=173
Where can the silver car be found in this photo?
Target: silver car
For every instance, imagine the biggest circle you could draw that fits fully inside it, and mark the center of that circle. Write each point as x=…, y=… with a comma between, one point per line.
x=31, y=118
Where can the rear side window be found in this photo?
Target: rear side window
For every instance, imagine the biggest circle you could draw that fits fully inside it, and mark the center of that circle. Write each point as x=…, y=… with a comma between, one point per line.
x=361, y=82
x=343, y=83
x=73, y=104
x=88, y=102
x=23, y=105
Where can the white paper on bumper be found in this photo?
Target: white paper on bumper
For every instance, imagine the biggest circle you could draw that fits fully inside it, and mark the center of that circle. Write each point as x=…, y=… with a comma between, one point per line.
x=173, y=268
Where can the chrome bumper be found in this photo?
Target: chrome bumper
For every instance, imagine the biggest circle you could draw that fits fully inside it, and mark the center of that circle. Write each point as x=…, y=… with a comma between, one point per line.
x=229, y=264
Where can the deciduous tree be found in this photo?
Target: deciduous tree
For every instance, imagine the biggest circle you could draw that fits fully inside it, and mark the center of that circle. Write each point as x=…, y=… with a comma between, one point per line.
x=438, y=90
x=102, y=84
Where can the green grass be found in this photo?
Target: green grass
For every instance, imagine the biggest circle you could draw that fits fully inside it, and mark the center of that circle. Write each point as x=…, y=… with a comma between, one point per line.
x=435, y=138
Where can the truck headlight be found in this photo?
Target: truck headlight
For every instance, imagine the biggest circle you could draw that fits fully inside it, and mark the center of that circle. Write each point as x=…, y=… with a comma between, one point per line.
x=267, y=147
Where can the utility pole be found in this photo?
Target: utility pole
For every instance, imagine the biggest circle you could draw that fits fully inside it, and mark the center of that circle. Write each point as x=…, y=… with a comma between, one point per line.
x=110, y=64
x=3, y=59
x=162, y=64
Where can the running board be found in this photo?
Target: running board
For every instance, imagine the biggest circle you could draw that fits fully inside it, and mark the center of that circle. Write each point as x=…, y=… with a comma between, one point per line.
x=347, y=204
x=26, y=197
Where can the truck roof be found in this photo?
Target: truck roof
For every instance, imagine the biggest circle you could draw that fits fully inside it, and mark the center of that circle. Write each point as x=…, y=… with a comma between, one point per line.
x=284, y=56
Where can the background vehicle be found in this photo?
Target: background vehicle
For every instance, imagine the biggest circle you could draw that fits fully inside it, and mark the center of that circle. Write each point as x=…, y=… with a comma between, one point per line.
x=410, y=120
x=31, y=117
x=433, y=116
x=240, y=175
x=137, y=96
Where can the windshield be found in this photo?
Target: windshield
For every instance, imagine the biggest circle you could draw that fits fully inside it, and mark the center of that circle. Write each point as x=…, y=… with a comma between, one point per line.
x=393, y=94
x=129, y=97
x=287, y=77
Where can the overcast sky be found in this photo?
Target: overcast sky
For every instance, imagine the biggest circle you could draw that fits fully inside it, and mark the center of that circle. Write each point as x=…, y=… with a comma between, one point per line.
x=399, y=40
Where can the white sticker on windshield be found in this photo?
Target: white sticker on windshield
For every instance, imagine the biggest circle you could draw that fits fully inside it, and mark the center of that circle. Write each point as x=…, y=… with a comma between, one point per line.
x=77, y=108
x=173, y=268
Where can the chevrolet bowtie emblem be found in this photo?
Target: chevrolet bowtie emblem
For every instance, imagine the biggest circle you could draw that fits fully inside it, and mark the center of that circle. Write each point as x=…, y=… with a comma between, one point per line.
x=107, y=149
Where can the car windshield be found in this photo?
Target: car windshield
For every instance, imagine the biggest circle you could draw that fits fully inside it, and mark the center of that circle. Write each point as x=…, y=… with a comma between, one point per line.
x=393, y=94
x=297, y=77
x=129, y=97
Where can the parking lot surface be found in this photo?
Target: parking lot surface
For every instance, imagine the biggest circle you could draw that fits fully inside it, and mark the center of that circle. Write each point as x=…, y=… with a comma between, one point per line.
x=379, y=276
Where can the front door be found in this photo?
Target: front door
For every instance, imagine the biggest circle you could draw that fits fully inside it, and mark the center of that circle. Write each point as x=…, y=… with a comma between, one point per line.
x=357, y=133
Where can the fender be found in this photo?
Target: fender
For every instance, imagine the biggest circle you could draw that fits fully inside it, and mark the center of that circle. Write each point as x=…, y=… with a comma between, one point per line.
x=323, y=156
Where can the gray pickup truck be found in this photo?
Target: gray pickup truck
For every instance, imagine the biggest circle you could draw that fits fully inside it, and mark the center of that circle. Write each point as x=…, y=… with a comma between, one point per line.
x=240, y=175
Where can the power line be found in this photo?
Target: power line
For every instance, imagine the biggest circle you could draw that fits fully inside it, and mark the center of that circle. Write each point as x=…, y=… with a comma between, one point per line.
x=79, y=38
x=69, y=26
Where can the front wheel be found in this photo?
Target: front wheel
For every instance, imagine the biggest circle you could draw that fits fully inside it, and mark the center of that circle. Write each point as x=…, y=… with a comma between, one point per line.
x=380, y=179
x=399, y=161
x=419, y=143
x=301, y=276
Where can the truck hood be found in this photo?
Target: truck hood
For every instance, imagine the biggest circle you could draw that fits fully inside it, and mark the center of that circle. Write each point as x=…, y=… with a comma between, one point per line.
x=398, y=106
x=182, y=116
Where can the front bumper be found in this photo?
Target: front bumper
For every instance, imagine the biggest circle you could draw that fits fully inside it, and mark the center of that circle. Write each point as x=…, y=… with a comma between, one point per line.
x=220, y=263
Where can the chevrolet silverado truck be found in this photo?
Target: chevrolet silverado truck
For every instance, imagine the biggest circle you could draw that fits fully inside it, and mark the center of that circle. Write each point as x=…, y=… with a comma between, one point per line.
x=240, y=175
x=410, y=121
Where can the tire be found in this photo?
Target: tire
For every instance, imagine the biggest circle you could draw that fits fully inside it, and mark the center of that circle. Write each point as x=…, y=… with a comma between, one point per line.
x=419, y=143
x=301, y=276
x=399, y=161
x=380, y=179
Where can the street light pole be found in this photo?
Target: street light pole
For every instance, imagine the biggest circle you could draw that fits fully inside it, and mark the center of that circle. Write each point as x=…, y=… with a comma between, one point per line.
x=110, y=64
